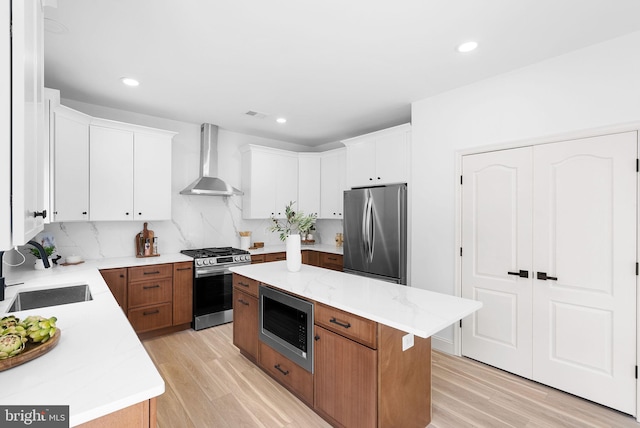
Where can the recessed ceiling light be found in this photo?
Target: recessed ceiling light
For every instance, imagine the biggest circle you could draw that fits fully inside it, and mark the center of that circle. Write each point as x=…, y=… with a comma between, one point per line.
x=281, y=120
x=467, y=47
x=129, y=81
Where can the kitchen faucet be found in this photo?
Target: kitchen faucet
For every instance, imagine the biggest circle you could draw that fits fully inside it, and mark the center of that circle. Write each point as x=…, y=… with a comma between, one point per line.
x=43, y=253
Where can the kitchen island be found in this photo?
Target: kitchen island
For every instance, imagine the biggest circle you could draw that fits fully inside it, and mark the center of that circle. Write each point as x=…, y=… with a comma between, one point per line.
x=372, y=348
x=99, y=368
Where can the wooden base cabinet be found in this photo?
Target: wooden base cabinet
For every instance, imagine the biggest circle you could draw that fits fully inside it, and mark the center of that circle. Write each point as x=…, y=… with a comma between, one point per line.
x=157, y=299
x=345, y=380
x=245, y=316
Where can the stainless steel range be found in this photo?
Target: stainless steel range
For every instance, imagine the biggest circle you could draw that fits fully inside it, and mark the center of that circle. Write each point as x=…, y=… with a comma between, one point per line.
x=213, y=284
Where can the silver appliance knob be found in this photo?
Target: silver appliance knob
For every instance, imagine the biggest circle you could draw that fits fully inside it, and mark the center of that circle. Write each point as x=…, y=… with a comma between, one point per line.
x=247, y=257
x=198, y=262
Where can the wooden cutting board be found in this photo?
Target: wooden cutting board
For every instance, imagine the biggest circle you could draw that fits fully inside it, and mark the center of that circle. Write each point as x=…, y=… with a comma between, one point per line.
x=32, y=351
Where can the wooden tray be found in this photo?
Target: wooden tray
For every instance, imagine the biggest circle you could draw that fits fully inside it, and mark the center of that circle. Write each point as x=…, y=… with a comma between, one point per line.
x=32, y=351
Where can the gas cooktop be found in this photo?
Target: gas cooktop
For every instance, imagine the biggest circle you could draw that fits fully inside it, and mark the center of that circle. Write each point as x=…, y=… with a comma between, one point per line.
x=213, y=252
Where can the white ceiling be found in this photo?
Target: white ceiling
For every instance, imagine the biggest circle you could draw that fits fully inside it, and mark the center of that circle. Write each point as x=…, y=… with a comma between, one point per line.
x=333, y=68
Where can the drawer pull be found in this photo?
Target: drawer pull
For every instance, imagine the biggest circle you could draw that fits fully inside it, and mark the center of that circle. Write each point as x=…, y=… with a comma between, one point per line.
x=155, y=272
x=243, y=302
x=145, y=313
x=184, y=268
x=335, y=321
x=332, y=258
x=147, y=287
x=243, y=284
x=277, y=367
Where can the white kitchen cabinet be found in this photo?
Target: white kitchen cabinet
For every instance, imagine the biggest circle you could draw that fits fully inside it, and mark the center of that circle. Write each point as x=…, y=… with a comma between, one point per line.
x=269, y=181
x=111, y=174
x=152, y=176
x=130, y=172
x=309, y=183
x=27, y=120
x=5, y=127
x=379, y=158
x=51, y=102
x=70, y=165
x=332, y=183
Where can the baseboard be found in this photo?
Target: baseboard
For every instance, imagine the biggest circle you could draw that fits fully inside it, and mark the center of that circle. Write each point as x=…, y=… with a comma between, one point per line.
x=443, y=345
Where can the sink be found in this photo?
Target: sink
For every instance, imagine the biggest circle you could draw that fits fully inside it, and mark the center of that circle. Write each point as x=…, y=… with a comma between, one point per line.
x=51, y=297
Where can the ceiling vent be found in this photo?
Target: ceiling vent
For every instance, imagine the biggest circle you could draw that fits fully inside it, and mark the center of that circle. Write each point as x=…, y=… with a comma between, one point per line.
x=256, y=114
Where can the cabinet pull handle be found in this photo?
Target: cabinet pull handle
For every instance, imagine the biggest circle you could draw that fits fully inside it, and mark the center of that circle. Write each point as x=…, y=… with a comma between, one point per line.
x=543, y=276
x=335, y=321
x=155, y=272
x=147, y=287
x=277, y=367
x=521, y=273
x=332, y=258
x=42, y=214
x=83, y=213
x=145, y=313
x=121, y=276
x=188, y=268
x=316, y=338
x=243, y=302
x=243, y=284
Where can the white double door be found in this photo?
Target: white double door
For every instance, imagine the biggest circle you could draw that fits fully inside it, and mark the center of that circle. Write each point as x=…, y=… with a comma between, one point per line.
x=549, y=247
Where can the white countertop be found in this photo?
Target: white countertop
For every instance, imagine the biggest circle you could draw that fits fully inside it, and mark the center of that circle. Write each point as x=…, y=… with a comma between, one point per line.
x=324, y=248
x=408, y=309
x=99, y=366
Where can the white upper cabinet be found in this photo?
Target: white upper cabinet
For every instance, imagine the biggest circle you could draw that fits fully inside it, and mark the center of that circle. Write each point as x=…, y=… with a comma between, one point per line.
x=152, y=176
x=130, y=172
x=111, y=174
x=5, y=127
x=332, y=183
x=269, y=181
x=379, y=158
x=27, y=120
x=70, y=165
x=309, y=183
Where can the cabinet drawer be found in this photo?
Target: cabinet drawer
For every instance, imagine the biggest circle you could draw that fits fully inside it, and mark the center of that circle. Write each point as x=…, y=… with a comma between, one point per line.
x=150, y=317
x=291, y=375
x=348, y=325
x=150, y=292
x=249, y=286
x=331, y=261
x=144, y=273
x=273, y=257
x=257, y=258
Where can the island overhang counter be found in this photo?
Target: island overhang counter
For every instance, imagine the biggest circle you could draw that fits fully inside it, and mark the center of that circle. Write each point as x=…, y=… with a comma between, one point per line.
x=377, y=373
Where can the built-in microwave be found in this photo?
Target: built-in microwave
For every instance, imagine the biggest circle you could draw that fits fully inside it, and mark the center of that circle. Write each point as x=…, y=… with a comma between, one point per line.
x=286, y=325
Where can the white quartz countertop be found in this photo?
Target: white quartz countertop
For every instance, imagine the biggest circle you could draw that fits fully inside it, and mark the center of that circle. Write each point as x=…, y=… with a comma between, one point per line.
x=408, y=309
x=99, y=366
x=324, y=248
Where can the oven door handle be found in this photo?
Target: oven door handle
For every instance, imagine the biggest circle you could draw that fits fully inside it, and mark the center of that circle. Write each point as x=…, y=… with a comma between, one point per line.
x=215, y=272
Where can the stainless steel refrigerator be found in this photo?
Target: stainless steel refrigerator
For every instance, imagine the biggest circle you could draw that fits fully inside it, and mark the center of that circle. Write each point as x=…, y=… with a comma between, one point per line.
x=375, y=232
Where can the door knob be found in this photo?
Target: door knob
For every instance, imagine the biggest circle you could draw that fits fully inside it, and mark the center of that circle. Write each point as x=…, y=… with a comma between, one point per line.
x=521, y=273
x=543, y=276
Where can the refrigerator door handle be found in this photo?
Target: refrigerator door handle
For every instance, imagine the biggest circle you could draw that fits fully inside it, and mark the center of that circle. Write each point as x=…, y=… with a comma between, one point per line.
x=365, y=213
x=369, y=236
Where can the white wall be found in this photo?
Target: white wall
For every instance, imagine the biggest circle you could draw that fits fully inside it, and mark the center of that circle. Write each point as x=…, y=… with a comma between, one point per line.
x=589, y=88
x=197, y=221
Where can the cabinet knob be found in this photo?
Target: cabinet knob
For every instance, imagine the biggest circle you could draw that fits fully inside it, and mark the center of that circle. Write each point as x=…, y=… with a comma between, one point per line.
x=378, y=178
x=126, y=213
x=139, y=213
x=83, y=213
x=370, y=179
x=316, y=338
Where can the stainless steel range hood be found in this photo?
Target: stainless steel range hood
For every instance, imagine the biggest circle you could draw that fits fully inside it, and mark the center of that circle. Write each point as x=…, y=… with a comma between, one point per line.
x=208, y=184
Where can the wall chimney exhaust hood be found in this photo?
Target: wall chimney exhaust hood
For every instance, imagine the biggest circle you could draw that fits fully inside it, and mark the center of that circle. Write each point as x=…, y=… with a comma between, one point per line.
x=208, y=184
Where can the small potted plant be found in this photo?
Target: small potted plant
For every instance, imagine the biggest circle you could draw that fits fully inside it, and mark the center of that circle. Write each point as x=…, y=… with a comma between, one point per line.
x=48, y=249
x=290, y=229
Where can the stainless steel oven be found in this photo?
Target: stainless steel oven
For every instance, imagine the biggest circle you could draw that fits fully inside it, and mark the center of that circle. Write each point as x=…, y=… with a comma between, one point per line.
x=212, y=284
x=286, y=324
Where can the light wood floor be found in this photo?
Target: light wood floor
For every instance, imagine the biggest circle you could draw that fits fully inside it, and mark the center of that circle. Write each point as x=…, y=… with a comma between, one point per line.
x=209, y=384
